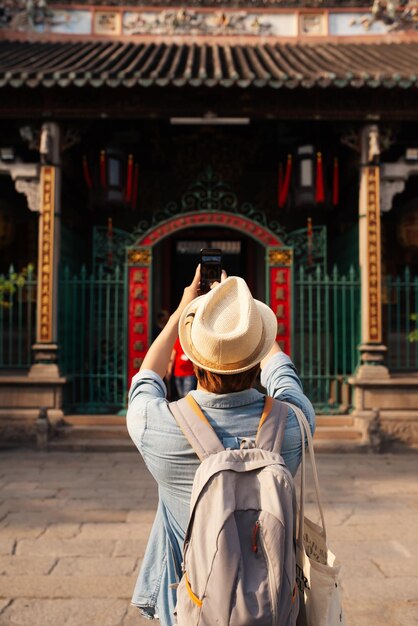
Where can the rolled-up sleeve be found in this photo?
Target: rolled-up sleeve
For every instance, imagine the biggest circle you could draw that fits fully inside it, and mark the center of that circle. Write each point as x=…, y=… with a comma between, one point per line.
x=280, y=375
x=281, y=381
x=146, y=386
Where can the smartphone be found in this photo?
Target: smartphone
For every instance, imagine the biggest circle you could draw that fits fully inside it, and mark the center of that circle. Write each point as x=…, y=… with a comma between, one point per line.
x=210, y=267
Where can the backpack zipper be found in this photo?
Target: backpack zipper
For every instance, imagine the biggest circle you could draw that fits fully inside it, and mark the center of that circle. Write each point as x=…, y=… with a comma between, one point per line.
x=271, y=578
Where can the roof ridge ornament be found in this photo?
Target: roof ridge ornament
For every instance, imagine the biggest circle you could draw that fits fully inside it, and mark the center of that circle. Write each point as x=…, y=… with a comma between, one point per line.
x=27, y=15
x=396, y=17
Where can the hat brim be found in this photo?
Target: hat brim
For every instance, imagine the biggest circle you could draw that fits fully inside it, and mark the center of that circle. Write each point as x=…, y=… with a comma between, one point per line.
x=269, y=322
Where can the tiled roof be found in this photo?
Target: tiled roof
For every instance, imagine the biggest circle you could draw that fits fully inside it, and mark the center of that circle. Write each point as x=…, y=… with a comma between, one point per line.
x=274, y=65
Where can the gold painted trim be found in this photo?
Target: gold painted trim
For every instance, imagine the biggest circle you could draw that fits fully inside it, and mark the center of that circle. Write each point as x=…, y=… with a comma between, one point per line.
x=281, y=257
x=373, y=261
x=46, y=254
x=139, y=257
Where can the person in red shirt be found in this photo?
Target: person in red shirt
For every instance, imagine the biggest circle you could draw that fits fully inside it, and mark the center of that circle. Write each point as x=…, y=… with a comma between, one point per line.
x=182, y=368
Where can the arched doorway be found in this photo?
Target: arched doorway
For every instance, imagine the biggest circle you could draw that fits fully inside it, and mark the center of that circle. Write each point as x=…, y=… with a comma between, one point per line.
x=176, y=257
x=140, y=262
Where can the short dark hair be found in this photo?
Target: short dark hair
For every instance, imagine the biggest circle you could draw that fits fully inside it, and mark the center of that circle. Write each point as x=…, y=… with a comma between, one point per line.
x=226, y=383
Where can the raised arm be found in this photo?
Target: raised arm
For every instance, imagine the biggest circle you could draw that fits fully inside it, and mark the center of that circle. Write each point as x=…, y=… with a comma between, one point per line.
x=275, y=349
x=158, y=356
x=170, y=366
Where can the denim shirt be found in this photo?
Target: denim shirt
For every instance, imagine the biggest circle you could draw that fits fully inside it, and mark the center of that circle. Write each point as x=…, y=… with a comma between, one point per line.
x=172, y=462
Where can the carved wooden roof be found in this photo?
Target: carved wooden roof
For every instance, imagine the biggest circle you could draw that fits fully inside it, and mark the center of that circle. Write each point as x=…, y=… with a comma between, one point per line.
x=274, y=65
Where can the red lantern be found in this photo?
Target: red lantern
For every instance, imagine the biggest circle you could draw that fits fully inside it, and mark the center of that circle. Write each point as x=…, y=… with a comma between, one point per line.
x=335, y=183
x=110, y=242
x=280, y=184
x=319, y=191
x=286, y=184
x=135, y=187
x=309, y=234
x=103, y=177
x=129, y=177
x=86, y=171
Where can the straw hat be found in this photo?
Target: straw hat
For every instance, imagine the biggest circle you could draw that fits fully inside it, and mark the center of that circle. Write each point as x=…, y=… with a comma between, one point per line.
x=226, y=331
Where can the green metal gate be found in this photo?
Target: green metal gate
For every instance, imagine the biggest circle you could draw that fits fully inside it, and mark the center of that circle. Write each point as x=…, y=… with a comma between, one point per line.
x=17, y=318
x=93, y=334
x=92, y=323
x=92, y=339
x=401, y=312
x=326, y=335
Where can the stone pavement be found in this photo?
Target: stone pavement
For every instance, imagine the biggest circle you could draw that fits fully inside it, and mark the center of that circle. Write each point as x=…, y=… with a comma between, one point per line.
x=73, y=528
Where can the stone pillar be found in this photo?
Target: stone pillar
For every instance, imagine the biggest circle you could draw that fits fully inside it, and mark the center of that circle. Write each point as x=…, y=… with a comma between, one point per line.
x=372, y=372
x=45, y=348
x=23, y=396
x=371, y=349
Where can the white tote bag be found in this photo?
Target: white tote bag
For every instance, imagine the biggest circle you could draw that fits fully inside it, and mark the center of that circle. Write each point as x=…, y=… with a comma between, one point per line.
x=317, y=569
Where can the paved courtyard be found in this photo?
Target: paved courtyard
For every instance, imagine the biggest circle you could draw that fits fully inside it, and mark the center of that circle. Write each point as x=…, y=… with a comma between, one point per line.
x=74, y=526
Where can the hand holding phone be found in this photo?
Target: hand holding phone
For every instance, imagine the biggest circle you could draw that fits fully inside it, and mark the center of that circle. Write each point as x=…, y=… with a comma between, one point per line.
x=210, y=268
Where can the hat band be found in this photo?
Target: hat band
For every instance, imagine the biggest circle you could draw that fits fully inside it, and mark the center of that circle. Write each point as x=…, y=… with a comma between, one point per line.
x=230, y=366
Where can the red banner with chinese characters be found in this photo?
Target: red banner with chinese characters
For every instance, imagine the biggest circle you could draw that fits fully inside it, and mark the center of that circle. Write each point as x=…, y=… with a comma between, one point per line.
x=138, y=318
x=46, y=256
x=373, y=275
x=280, y=277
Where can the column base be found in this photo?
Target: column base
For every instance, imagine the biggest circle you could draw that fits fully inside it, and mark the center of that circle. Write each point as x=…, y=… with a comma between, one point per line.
x=45, y=365
x=372, y=362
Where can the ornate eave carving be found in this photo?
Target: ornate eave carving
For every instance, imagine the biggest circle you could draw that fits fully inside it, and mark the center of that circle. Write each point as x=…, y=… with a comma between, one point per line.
x=26, y=179
x=393, y=178
x=30, y=188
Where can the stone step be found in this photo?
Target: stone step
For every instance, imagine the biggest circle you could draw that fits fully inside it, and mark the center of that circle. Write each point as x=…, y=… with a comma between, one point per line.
x=345, y=433
x=126, y=445
x=337, y=446
x=334, y=433
x=26, y=415
x=334, y=420
x=410, y=415
x=92, y=445
x=120, y=420
x=95, y=420
x=95, y=431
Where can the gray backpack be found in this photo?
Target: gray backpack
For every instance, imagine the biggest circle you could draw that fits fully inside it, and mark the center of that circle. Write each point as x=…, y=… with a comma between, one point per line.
x=239, y=566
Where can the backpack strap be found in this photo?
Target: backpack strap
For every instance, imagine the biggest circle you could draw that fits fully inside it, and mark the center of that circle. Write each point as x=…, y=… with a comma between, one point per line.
x=203, y=439
x=196, y=427
x=272, y=425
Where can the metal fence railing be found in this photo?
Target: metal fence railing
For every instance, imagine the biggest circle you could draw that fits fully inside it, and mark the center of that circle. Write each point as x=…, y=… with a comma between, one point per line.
x=92, y=332
x=17, y=318
x=92, y=336
x=326, y=335
x=401, y=310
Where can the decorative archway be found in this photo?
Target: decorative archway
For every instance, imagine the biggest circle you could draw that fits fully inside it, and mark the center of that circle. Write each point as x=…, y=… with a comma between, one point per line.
x=279, y=263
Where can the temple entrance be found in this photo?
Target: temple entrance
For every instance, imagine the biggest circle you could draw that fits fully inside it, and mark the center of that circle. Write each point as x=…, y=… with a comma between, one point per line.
x=107, y=318
x=176, y=258
x=147, y=259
